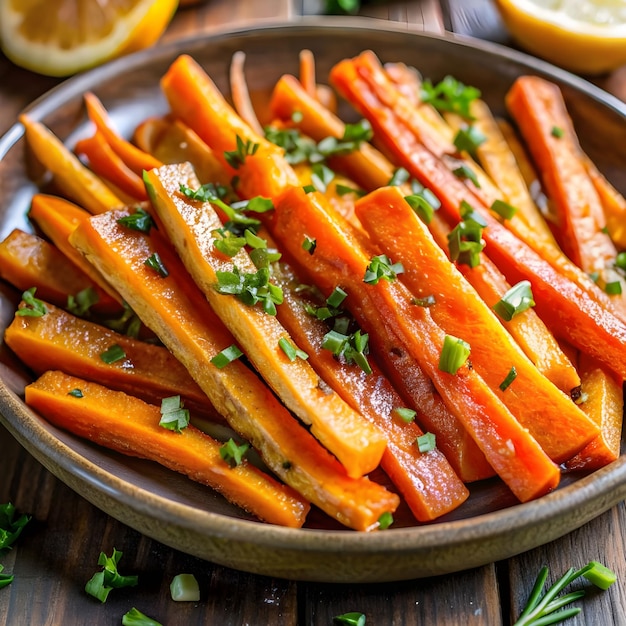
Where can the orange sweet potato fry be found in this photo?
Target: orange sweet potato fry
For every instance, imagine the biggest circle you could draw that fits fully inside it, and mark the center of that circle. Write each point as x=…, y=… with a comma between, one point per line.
x=73, y=178
x=27, y=260
x=175, y=309
x=128, y=425
x=557, y=424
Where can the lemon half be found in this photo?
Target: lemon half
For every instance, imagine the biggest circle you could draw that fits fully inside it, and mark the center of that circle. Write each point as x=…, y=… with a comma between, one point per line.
x=583, y=36
x=62, y=37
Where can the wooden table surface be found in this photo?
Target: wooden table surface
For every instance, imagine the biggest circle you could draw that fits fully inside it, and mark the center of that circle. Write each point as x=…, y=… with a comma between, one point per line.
x=58, y=552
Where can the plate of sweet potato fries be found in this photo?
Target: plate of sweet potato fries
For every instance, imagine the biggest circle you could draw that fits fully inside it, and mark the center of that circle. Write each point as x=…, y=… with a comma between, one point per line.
x=326, y=301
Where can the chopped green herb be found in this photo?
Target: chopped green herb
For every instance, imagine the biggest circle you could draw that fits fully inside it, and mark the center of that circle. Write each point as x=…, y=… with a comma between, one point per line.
x=468, y=139
x=406, y=415
x=385, y=520
x=353, y=136
x=10, y=527
x=101, y=583
x=426, y=442
x=465, y=242
x=113, y=354
x=353, y=347
x=32, y=307
x=516, y=300
x=128, y=323
x=155, y=263
x=613, y=288
x=450, y=95
x=349, y=619
x=254, y=241
x=425, y=301
x=399, y=177
x=343, y=190
x=80, y=303
x=185, y=588
x=505, y=210
x=135, y=617
x=291, y=351
x=547, y=608
x=263, y=258
x=309, y=188
x=464, y=171
x=321, y=176
x=173, y=414
x=422, y=204
x=5, y=579
x=140, y=220
x=75, y=393
x=251, y=288
x=454, y=354
x=227, y=243
x=510, y=377
x=309, y=244
x=336, y=298
x=557, y=132
x=232, y=453
x=226, y=356
x=381, y=267
x=620, y=261
x=236, y=158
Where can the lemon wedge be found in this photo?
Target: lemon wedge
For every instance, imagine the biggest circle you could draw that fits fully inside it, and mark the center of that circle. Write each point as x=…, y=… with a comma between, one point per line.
x=63, y=37
x=583, y=36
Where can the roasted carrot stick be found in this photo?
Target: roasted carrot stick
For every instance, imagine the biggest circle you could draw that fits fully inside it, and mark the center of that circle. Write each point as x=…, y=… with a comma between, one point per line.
x=540, y=112
x=72, y=177
x=240, y=94
x=195, y=99
x=57, y=218
x=179, y=314
x=193, y=229
x=128, y=425
x=557, y=424
x=527, y=328
x=527, y=471
x=603, y=402
x=27, y=260
x=426, y=481
x=172, y=141
x=59, y=340
x=566, y=301
x=134, y=158
x=107, y=164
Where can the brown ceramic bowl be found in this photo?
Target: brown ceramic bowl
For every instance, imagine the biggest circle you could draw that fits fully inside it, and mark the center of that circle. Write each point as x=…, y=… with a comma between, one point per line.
x=167, y=507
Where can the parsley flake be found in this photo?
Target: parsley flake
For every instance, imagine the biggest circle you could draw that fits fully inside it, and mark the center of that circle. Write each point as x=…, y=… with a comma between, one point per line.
x=233, y=453
x=113, y=353
x=173, y=414
x=236, y=158
x=381, y=267
x=32, y=307
x=140, y=220
x=450, y=95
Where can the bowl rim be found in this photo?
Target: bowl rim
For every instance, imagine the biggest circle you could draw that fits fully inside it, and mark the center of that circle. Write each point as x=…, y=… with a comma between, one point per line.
x=603, y=488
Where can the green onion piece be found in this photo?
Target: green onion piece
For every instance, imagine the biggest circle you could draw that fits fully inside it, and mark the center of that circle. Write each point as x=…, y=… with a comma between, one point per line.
x=505, y=210
x=135, y=617
x=75, y=393
x=113, y=353
x=236, y=158
x=349, y=619
x=254, y=241
x=406, y=415
x=140, y=220
x=454, y=354
x=33, y=307
x=343, y=190
x=309, y=244
x=420, y=204
x=600, y=575
x=385, y=520
x=426, y=442
x=10, y=526
x=620, y=261
x=381, y=267
x=291, y=351
x=557, y=132
x=226, y=356
x=510, y=377
x=468, y=139
x=251, y=287
x=516, y=300
x=465, y=172
x=449, y=95
x=80, y=303
x=155, y=263
x=227, y=243
x=613, y=288
x=309, y=188
x=425, y=301
x=232, y=453
x=173, y=415
x=399, y=177
x=185, y=588
x=336, y=298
